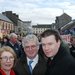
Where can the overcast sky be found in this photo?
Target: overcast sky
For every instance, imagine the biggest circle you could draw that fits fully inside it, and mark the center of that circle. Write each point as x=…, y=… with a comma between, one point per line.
x=39, y=11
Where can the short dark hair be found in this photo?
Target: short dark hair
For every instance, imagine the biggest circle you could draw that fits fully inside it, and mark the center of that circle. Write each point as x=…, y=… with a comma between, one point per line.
x=51, y=32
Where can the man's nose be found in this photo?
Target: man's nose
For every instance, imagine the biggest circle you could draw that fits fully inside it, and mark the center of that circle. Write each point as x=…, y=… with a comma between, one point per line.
x=30, y=48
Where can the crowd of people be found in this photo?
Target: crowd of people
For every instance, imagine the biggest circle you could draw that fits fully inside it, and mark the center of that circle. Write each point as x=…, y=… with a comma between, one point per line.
x=28, y=56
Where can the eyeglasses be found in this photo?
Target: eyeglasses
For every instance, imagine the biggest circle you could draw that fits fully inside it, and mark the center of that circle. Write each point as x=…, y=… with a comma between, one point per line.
x=5, y=58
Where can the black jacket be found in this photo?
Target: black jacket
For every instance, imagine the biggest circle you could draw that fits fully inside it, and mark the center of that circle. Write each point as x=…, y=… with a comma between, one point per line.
x=72, y=51
x=62, y=63
x=16, y=47
x=21, y=67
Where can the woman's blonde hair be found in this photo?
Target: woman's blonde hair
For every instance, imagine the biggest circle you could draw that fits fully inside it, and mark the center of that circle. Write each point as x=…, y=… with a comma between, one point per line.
x=8, y=49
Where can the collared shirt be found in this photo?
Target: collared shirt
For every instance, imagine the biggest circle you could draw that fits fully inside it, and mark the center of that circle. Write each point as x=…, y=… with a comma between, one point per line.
x=35, y=61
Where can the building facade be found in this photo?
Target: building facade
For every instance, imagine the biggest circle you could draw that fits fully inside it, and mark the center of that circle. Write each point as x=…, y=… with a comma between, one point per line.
x=13, y=17
x=39, y=28
x=6, y=25
x=62, y=20
x=23, y=26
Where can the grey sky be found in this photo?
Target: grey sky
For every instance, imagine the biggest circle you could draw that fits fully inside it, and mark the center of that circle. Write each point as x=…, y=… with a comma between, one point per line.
x=39, y=11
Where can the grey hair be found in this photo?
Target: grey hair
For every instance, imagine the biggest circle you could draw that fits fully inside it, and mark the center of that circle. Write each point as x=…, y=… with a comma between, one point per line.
x=28, y=38
x=12, y=35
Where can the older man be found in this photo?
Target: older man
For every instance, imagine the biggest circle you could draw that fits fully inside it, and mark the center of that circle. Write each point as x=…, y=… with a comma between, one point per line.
x=13, y=43
x=31, y=63
x=72, y=48
x=60, y=62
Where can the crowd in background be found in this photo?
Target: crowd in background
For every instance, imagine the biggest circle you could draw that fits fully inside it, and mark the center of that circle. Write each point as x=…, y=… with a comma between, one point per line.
x=59, y=61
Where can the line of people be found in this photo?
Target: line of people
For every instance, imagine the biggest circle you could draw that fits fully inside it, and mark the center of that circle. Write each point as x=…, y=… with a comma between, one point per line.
x=54, y=58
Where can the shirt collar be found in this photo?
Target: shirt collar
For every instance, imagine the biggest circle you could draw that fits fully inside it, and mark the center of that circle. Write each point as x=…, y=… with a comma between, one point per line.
x=34, y=60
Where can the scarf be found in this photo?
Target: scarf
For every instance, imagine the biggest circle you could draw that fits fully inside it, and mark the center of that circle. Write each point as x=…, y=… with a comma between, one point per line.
x=3, y=73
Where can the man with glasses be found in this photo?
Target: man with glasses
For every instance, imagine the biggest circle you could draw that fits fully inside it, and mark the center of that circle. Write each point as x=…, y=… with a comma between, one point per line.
x=31, y=63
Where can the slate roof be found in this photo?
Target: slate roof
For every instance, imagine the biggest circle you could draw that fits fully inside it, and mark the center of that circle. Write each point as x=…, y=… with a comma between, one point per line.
x=69, y=25
x=3, y=17
x=42, y=26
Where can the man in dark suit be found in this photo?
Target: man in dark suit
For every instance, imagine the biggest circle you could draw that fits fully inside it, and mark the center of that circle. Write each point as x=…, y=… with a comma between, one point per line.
x=72, y=48
x=60, y=62
x=37, y=66
x=13, y=43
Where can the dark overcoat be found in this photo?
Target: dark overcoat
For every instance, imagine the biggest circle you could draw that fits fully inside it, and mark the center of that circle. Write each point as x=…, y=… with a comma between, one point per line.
x=62, y=64
x=21, y=67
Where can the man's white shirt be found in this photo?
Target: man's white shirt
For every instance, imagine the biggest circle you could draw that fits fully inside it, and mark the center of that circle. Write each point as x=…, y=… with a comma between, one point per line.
x=35, y=61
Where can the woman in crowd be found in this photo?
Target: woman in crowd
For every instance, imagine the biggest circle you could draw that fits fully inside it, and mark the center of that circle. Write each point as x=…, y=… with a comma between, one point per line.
x=7, y=60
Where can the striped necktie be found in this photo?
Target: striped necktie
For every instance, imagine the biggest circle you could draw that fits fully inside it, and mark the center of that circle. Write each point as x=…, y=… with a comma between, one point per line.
x=30, y=66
